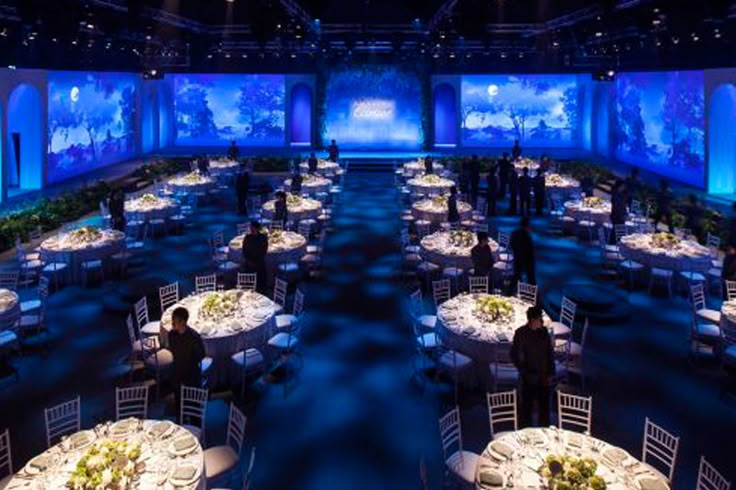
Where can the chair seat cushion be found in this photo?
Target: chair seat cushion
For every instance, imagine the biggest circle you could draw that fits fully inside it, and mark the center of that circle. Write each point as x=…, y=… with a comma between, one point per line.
x=664, y=273
x=27, y=321
x=427, y=267
x=30, y=305
x=7, y=338
x=31, y=264
x=249, y=358
x=427, y=321
x=54, y=267
x=559, y=328
x=708, y=330
x=286, y=321
x=452, y=272
x=289, y=267
x=164, y=357
x=205, y=365
x=631, y=265
x=715, y=273
x=463, y=465
x=227, y=266
x=455, y=360
x=712, y=316
x=151, y=328
x=693, y=276
x=729, y=353
x=219, y=460
x=428, y=340
x=283, y=341
x=92, y=264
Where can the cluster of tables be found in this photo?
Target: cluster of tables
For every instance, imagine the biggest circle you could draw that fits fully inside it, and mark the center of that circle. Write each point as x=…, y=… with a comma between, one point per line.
x=452, y=248
x=283, y=246
x=434, y=210
x=679, y=255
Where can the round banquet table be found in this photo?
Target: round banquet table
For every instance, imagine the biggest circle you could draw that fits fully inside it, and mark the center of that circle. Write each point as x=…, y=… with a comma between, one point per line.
x=687, y=255
x=292, y=247
x=324, y=167
x=148, y=209
x=430, y=184
x=224, y=335
x=562, y=185
x=307, y=209
x=461, y=328
x=728, y=315
x=518, y=456
x=191, y=183
x=438, y=249
x=436, y=213
x=224, y=167
x=523, y=163
x=168, y=451
x=416, y=168
x=64, y=248
x=580, y=211
x=311, y=184
x=9, y=308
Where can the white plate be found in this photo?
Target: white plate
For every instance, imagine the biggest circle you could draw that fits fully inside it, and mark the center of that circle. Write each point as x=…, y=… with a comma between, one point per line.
x=183, y=452
x=185, y=483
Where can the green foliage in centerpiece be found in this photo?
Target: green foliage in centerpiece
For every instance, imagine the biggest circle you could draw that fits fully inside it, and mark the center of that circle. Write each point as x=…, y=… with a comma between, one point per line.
x=293, y=201
x=667, y=241
x=431, y=179
x=439, y=201
x=570, y=473
x=86, y=234
x=462, y=238
x=110, y=465
x=594, y=202
x=149, y=198
x=219, y=304
x=494, y=308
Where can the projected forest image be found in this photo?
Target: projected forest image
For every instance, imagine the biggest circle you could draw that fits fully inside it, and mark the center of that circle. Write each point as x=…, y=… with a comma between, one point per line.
x=539, y=110
x=659, y=123
x=216, y=109
x=91, y=121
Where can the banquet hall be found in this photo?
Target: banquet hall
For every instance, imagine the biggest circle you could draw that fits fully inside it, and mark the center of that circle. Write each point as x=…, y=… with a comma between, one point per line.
x=367, y=244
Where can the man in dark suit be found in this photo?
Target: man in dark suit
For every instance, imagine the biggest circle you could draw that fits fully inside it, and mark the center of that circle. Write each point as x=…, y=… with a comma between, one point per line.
x=203, y=165
x=333, y=151
x=522, y=246
x=540, y=191
x=474, y=168
x=525, y=193
x=516, y=150
x=117, y=210
x=242, y=183
x=255, y=249
x=233, y=153
x=664, y=206
x=491, y=191
x=312, y=163
x=482, y=256
x=280, y=210
x=428, y=165
x=504, y=170
x=513, y=190
x=296, y=182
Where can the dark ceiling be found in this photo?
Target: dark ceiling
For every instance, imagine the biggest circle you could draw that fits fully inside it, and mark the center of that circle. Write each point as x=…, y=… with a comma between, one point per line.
x=294, y=35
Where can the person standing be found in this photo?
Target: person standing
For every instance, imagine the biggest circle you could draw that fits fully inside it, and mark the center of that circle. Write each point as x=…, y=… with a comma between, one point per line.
x=539, y=184
x=516, y=151
x=233, y=153
x=255, y=250
x=280, y=209
x=474, y=178
x=464, y=177
x=242, y=183
x=491, y=191
x=664, y=206
x=296, y=181
x=333, y=151
x=619, y=211
x=522, y=246
x=203, y=165
x=513, y=191
x=504, y=171
x=525, y=193
x=482, y=256
x=633, y=185
x=312, y=163
x=428, y=165
x=532, y=354
x=453, y=216
x=117, y=210
x=187, y=350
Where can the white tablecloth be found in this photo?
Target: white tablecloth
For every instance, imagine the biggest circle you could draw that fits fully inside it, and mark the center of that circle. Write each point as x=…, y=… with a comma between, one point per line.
x=519, y=455
x=562, y=185
x=57, y=248
x=147, y=208
x=191, y=183
x=430, y=184
x=157, y=456
x=413, y=169
x=307, y=209
x=324, y=167
x=580, y=211
x=687, y=255
x=523, y=163
x=461, y=328
x=224, y=167
x=311, y=184
x=438, y=249
x=293, y=247
x=728, y=314
x=9, y=308
x=436, y=212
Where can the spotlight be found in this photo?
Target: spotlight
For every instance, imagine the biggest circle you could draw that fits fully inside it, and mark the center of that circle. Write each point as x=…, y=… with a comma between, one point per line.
x=152, y=74
x=598, y=34
x=12, y=67
x=604, y=75
x=230, y=1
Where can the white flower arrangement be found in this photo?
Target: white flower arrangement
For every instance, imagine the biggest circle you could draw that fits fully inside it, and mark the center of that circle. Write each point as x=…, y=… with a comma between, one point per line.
x=570, y=473
x=666, y=241
x=494, y=308
x=86, y=234
x=593, y=202
x=217, y=305
x=461, y=239
x=110, y=465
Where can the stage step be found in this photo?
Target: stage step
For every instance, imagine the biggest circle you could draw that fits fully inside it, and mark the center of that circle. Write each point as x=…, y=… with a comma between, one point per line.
x=384, y=165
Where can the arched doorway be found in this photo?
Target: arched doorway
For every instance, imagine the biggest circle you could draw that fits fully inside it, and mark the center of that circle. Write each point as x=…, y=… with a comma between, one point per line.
x=24, y=156
x=445, y=115
x=722, y=140
x=165, y=116
x=301, y=115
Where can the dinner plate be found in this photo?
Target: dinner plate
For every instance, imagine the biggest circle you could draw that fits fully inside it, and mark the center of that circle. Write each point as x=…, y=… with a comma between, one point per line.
x=181, y=447
x=38, y=465
x=161, y=430
x=124, y=427
x=184, y=475
x=81, y=440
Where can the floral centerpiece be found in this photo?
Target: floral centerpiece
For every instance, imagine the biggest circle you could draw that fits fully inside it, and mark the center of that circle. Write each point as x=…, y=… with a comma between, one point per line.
x=494, y=308
x=570, y=473
x=219, y=304
x=293, y=201
x=461, y=238
x=149, y=199
x=665, y=240
x=110, y=465
x=86, y=234
x=431, y=179
x=275, y=237
x=192, y=178
x=526, y=163
x=593, y=202
x=439, y=201
x=555, y=180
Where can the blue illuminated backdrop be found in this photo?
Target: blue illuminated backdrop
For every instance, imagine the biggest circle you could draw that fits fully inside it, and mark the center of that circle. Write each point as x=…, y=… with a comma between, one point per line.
x=216, y=109
x=659, y=123
x=91, y=121
x=538, y=110
x=375, y=106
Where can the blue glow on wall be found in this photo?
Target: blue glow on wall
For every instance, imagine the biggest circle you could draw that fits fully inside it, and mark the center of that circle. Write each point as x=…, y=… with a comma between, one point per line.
x=445, y=115
x=25, y=118
x=722, y=141
x=92, y=121
x=148, y=129
x=301, y=115
x=216, y=109
x=165, y=117
x=659, y=123
x=538, y=110
x=604, y=97
x=374, y=107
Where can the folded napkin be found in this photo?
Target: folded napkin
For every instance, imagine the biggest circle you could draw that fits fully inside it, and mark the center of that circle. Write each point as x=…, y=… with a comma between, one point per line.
x=575, y=440
x=502, y=449
x=79, y=439
x=184, y=473
x=159, y=428
x=184, y=443
x=615, y=455
x=41, y=463
x=123, y=426
x=491, y=479
x=653, y=484
x=534, y=436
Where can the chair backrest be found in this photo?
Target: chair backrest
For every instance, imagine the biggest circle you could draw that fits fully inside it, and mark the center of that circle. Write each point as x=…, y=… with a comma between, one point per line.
x=62, y=420
x=131, y=402
x=504, y=238
x=276, y=225
x=620, y=231
x=416, y=305
x=204, y=284
x=236, y=429
x=709, y=478
x=574, y=412
x=441, y=291
x=279, y=292
x=660, y=447
x=451, y=433
x=567, y=312
x=697, y=296
x=242, y=228
x=730, y=290
x=6, y=456
x=249, y=472
x=141, y=312
x=9, y=280
x=502, y=411
x=133, y=332
x=527, y=292
x=713, y=242
x=168, y=295
x=478, y=284
x=298, y=303
x=193, y=405
x=247, y=281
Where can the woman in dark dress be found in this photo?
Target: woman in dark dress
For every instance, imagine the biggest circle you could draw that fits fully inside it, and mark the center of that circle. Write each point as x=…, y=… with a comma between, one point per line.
x=453, y=216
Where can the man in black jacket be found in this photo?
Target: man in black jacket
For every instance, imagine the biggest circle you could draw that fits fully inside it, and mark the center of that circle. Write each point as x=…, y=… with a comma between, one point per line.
x=242, y=183
x=233, y=153
x=255, y=249
x=187, y=350
x=525, y=193
x=533, y=356
x=522, y=246
x=312, y=163
x=728, y=273
x=504, y=170
x=539, y=183
x=117, y=210
x=482, y=256
x=280, y=209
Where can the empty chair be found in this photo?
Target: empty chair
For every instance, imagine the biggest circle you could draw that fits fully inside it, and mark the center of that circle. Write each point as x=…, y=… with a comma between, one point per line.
x=416, y=307
x=205, y=284
x=705, y=332
x=459, y=463
x=478, y=284
x=221, y=463
x=503, y=370
x=131, y=402
x=564, y=326
x=156, y=360
x=441, y=291
x=145, y=325
x=731, y=290
x=62, y=420
x=709, y=478
x=502, y=412
x=574, y=412
x=279, y=292
x=9, y=279
x=168, y=296
x=527, y=292
x=35, y=303
x=134, y=336
x=659, y=271
x=217, y=242
x=290, y=321
x=660, y=448
x=192, y=410
x=453, y=363
x=6, y=459
x=247, y=281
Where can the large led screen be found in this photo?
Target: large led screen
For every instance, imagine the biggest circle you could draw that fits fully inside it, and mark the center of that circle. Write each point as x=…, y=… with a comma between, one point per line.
x=538, y=110
x=659, y=123
x=373, y=107
x=213, y=110
x=91, y=121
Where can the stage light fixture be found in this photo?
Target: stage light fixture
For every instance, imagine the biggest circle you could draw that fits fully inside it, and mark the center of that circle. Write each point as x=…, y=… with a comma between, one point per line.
x=604, y=75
